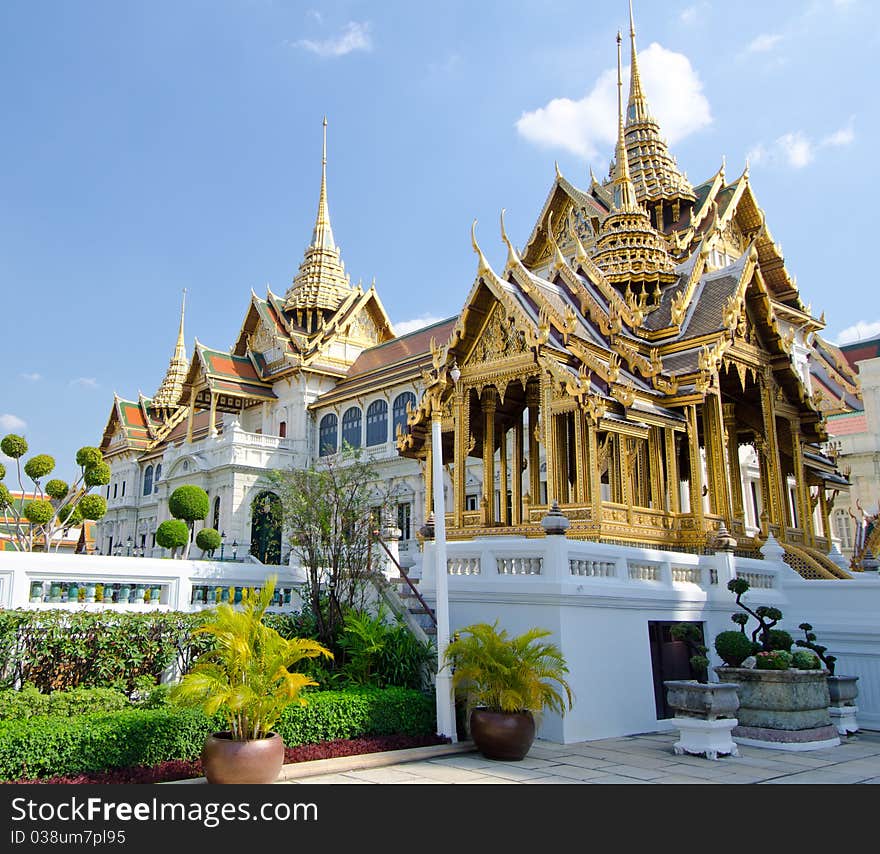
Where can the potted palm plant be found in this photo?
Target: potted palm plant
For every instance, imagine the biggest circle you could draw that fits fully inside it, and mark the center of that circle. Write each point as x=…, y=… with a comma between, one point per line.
x=507, y=681
x=247, y=679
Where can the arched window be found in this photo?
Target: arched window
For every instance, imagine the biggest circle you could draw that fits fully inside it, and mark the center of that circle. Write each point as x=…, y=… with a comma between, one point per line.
x=327, y=435
x=377, y=423
x=148, y=481
x=282, y=429
x=217, y=513
x=399, y=411
x=351, y=427
x=157, y=477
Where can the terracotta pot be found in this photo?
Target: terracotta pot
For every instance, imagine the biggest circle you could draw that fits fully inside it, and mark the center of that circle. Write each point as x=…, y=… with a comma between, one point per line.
x=225, y=760
x=502, y=735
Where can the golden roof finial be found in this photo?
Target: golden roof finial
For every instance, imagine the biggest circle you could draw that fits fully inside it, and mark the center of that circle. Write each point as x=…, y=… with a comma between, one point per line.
x=513, y=258
x=556, y=165
x=624, y=191
x=483, y=265
x=322, y=236
x=560, y=258
x=638, y=103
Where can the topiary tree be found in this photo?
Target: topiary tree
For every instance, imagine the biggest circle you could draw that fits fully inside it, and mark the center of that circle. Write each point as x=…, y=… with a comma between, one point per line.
x=56, y=507
x=809, y=642
x=763, y=636
x=172, y=534
x=190, y=504
x=208, y=540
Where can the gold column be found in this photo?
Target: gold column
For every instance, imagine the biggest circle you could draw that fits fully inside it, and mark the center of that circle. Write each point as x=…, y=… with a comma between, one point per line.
x=490, y=403
x=824, y=511
x=719, y=489
x=429, y=477
x=595, y=480
x=696, y=473
x=801, y=489
x=517, y=470
x=549, y=437
x=673, y=479
x=580, y=474
x=622, y=444
x=212, y=429
x=656, y=469
x=460, y=438
x=560, y=436
x=192, y=409
x=766, y=491
x=776, y=484
x=736, y=490
x=502, y=486
x=533, y=397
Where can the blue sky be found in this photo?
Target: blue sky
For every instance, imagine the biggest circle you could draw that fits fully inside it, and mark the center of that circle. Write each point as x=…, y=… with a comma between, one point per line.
x=151, y=147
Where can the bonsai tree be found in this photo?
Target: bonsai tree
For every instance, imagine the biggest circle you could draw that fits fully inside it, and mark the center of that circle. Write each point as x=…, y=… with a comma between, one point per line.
x=765, y=638
x=809, y=642
x=189, y=504
x=208, y=540
x=172, y=534
x=693, y=638
x=57, y=506
x=246, y=677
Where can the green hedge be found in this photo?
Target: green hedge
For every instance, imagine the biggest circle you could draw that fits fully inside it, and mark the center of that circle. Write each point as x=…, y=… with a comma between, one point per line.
x=78, y=701
x=48, y=746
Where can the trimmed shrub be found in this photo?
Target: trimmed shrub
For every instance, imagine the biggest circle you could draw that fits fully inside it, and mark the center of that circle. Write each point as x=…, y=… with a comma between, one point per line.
x=733, y=647
x=188, y=502
x=208, y=540
x=57, y=489
x=172, y=534
x=47, y=746
x=780, y=639
x=803, y=660
x=38, y=512
x=5, y=496
x=14, y=446
x=775, y=659
x=39, y=466
x=91, y=507
x=89, y=457
x=97, y=475
x=2, y=471
x=79, y=701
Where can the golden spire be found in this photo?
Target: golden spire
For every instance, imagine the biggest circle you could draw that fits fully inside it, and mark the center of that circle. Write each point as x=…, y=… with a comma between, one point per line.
x=638, y=103
x=654, y=171
x=321, y=282
x=168, y=395
x=624, y=191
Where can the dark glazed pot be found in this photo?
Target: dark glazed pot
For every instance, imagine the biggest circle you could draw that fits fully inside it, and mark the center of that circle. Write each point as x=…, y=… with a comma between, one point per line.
x=225, y=760
x=502, y=735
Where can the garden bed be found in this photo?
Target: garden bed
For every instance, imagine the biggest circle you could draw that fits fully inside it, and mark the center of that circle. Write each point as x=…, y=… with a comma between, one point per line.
x=179, y=769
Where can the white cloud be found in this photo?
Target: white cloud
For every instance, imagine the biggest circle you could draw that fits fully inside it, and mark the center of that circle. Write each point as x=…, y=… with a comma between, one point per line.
x=674, y=92
x=844, y=136
x=354, y=36
x=796, y=149
x=84, y=382
x=11, y=422
x=859, y=332
x=31, y=377
x=692, y=14
x=404, y=327
x=763, y=43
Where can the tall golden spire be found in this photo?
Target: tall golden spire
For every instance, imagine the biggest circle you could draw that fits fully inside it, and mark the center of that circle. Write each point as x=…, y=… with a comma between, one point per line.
x=321, y=282
x=624, y=191
x=168, y=395
x=655, y=173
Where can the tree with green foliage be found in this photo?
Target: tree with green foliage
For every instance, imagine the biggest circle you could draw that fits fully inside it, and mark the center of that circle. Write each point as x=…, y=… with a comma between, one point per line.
x=190, y=504
x=208, y=540
x=330, y=511
x=40, y=522
x=172, y=534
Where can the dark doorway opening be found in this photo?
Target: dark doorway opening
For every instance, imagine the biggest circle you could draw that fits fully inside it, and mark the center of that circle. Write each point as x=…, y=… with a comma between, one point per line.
x=670, y=659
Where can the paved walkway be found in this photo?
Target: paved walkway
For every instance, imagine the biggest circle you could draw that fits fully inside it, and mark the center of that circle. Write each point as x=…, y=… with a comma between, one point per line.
x=647, y=758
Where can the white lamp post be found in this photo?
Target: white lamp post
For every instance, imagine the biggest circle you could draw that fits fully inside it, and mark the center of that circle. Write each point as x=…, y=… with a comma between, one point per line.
x=443, y=685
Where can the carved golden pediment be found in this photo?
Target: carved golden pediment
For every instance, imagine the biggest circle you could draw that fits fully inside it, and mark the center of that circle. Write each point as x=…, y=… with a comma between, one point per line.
x=499, y=339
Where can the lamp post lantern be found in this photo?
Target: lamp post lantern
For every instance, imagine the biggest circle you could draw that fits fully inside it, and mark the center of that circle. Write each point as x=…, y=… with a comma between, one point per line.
x=128, y=546
x=235, y=549
x=222, y=544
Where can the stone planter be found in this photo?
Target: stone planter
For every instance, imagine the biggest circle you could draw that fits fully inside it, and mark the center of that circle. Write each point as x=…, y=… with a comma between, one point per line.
x=782, y=709
x=705, y=716
x=842, y=692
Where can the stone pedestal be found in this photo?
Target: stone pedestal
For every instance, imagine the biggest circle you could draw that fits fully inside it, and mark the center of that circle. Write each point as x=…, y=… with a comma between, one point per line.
x=782, y=709
x=843, y=718
x=699, y=737
x=842, y=691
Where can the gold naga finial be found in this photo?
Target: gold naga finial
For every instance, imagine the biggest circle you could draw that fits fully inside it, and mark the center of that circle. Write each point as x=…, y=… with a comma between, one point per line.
x=579, y=252
x=593, y=179
x=483, y=265
x=556, y=165
x=560, y=258
x=513, y=258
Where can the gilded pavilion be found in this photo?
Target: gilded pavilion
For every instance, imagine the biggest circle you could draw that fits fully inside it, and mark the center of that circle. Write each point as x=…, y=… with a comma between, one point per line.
x=627, y=363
